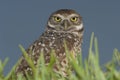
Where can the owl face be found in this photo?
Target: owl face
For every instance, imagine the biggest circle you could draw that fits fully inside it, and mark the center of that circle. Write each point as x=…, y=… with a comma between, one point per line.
x=65, y=20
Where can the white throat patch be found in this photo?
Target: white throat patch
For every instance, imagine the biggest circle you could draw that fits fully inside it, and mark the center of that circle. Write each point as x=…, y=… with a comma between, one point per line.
x=50, y=25
x=79, y=27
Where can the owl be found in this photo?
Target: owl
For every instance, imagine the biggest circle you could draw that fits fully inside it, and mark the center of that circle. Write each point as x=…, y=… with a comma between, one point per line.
x=62, y=25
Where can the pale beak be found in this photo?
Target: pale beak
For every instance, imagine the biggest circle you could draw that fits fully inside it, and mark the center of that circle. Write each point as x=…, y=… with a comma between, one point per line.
x=65, y=24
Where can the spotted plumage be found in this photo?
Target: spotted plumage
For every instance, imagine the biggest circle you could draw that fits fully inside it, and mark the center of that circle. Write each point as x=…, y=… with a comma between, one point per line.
x=63, y=25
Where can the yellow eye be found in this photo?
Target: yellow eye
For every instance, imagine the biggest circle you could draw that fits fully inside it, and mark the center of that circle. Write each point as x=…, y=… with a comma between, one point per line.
x=74, y=19
x=57, y=19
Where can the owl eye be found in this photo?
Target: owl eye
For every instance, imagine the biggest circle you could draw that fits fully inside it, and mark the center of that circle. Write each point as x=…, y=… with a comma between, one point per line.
x=74, y=19
x=57, y=19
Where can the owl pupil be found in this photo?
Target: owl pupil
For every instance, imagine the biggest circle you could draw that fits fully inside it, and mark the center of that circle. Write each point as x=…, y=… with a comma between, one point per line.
x=58, y=18
x=73, y=18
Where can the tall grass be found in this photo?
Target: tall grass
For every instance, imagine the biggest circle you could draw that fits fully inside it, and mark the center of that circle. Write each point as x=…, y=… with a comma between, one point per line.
x=87, y=69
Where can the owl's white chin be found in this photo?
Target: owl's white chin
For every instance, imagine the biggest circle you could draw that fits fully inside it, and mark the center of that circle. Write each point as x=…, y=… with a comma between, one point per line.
x=79, y=27
x=75, y=28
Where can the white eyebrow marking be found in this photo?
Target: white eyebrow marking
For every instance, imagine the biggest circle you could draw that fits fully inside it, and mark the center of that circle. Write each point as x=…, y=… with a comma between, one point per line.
x=74, y=15
x=61, y=16
x=66, y=17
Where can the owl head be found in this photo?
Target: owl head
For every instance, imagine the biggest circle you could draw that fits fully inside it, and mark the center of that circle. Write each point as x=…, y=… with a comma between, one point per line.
x=65, y=20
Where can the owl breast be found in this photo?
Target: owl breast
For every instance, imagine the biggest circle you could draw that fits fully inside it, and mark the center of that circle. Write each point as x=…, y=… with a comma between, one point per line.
x=55, y=41
x=49, y=41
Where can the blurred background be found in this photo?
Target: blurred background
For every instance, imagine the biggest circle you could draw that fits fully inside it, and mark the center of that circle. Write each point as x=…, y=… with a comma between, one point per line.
x=23, y=21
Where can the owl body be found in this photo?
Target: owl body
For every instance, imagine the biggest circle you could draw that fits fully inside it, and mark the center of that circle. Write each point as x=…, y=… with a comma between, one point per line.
x=59, y=28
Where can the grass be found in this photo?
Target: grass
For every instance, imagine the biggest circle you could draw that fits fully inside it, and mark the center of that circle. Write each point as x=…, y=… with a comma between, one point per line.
x=87, y=69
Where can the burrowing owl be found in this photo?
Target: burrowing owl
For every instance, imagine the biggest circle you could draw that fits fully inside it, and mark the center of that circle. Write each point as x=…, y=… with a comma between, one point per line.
x=64, y=24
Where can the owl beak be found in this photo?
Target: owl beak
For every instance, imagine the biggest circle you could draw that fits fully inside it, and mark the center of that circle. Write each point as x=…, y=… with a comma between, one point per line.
x=65, y=24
